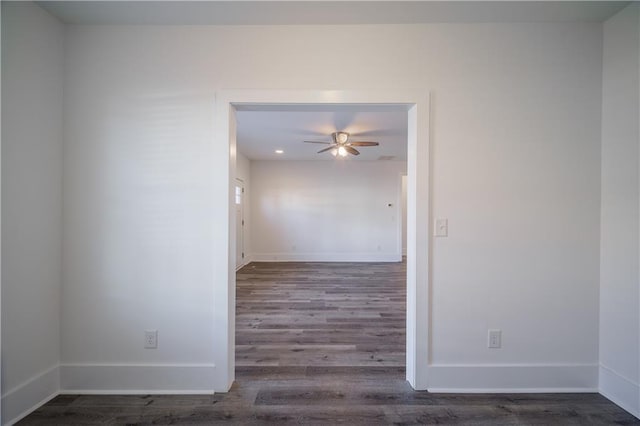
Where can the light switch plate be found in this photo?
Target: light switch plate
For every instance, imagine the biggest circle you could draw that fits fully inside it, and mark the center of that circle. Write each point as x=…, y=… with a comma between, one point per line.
x=494, y=340
x=441, y=228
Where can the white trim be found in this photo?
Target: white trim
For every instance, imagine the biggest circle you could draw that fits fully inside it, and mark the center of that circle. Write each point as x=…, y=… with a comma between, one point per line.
x=417, y=103
x=18, y=402
x=515, y=364
x=419, y=261
x=513, y=390
x=626, y=379
x=501, y=378
x=620, y=390
x=1, y=351
x=637, y=400
x=403, y=215
x=140, y=364
x=30, y=410
x=399, y=218
x=30, y=381
x=136, y=392
x=327, y=257
x=242, y=239
x=248, y=258
x=137, y=378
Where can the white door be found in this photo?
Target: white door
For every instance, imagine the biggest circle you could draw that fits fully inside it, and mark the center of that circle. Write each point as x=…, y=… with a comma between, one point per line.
x=239, y=224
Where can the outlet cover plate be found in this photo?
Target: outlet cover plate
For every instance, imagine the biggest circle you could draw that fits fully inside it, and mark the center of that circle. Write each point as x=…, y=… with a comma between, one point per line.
x=151, y=339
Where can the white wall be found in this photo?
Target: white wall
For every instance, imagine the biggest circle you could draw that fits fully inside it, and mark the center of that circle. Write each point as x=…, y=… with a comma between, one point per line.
x=516, y=170
x=619, y=256
x=326, y=210
x=243, y=172
x=32, y=66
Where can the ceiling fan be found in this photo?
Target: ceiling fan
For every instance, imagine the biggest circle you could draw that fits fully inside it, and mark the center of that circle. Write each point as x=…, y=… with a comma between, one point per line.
x=341, y=145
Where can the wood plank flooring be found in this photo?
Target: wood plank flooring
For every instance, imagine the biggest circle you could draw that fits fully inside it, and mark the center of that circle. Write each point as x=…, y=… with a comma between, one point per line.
x=340, y=314
x=323, y=344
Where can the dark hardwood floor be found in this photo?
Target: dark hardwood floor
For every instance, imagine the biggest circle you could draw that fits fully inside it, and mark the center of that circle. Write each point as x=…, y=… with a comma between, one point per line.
x=321, y=314
x=324, y=343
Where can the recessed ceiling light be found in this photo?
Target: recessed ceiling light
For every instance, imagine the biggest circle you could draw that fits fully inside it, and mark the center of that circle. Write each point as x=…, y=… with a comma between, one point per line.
x=279, y=151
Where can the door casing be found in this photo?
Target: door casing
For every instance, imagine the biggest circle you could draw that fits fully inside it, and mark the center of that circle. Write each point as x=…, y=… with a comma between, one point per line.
x=417, y=103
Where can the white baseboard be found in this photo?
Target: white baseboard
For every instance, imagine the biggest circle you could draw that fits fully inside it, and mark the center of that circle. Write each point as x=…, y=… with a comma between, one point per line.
x=21, y=400
x=326, y=257
x=620, y=390
x=199, y=378
x=138, y=378
x=513, y=378
x=247, y=260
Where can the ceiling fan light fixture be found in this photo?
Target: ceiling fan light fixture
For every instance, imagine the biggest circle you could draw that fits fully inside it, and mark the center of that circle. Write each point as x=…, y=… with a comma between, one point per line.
x=340, y=145
x=341, y=137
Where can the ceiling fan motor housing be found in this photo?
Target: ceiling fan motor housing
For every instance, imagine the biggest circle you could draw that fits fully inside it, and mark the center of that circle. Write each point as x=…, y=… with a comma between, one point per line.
x=340, y=137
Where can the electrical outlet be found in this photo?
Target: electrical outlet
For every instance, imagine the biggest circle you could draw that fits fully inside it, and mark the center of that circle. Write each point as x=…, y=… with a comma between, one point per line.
x=495, y=339
x=151, y=339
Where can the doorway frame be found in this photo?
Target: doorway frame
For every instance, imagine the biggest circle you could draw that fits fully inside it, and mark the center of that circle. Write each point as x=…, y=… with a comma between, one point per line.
x=418, y=308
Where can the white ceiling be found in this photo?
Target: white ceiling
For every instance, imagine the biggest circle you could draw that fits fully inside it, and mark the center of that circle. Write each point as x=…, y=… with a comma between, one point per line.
x=261, y=132
x=324, y=12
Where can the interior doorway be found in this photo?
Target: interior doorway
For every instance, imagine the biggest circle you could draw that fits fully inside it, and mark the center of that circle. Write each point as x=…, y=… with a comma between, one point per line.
x=324, y=283
x=418, y=206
